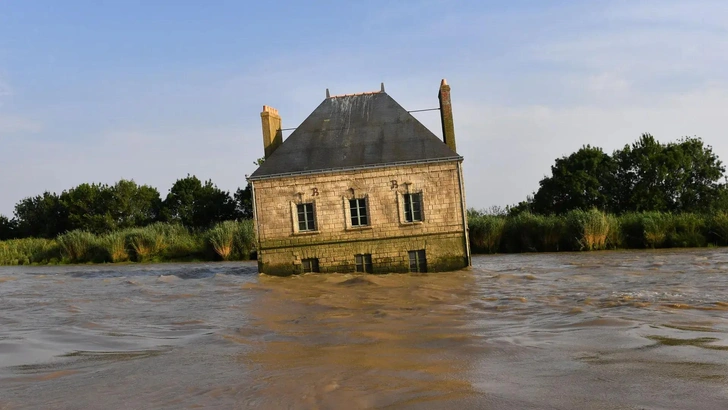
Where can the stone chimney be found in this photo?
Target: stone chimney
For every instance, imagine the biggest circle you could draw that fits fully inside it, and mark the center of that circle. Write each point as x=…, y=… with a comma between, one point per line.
x=272, y=134
x=448, y=128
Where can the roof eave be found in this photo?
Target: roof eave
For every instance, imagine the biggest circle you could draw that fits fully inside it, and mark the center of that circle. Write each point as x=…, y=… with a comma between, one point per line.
x=355, y=168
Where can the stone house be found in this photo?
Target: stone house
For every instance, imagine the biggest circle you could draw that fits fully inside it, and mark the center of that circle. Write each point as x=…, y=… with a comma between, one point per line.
x=360, y=186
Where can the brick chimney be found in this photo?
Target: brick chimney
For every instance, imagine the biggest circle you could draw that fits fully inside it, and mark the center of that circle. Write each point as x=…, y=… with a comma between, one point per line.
x=272, y=134
x=448, y=128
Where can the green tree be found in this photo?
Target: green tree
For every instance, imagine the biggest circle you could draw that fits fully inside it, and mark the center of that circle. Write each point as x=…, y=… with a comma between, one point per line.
x=89, y=208
x=244, y=202
x=682, y=176
x=722, y=202
x=198, y=205
x=134, y=205
x=580, y=181
x=8, y=228
x=522, y=207
x=41, y=216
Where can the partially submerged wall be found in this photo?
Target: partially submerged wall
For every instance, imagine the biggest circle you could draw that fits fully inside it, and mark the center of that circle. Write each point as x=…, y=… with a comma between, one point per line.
x=388, y=236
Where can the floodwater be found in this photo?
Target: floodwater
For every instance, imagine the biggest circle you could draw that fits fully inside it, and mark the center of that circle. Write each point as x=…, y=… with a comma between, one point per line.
x=612, y=330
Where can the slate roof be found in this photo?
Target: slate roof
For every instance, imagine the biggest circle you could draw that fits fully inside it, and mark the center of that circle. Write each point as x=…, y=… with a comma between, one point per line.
x=355, y=131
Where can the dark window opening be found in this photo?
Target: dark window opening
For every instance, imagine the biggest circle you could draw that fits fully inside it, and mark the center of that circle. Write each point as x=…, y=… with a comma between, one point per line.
x=305, y=217
x=413, y=207
x=358, y=209
x=310, y=265
x=364, y=263
x=417, y=261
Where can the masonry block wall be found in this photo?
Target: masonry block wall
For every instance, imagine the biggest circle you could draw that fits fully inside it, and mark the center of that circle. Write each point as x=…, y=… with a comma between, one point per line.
x=387, y=237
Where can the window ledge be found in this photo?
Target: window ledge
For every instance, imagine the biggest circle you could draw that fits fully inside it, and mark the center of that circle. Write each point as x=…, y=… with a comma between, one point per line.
x=306, y=233
x=414, y=223
x=358, y=228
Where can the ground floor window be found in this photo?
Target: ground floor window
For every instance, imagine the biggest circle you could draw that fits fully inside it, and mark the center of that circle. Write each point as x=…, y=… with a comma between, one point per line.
x=364, y=263
x=310, y=265
x=417, y=261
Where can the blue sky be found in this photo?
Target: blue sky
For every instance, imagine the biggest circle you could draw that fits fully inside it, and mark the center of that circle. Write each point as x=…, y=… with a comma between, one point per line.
x=153, y=90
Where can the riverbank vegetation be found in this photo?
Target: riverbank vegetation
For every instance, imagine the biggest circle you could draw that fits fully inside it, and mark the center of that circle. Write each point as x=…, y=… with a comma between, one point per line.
x=127, y=222
x=645, y=195
x=158, y=242
x=647, y=176
x=101, y=209
x=579, y=230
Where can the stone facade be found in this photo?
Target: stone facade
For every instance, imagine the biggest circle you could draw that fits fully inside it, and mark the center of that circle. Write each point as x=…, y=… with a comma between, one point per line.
x=387, y=237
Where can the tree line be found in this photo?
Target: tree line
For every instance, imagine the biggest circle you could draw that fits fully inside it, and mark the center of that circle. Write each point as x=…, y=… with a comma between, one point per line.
x=685, y=176
x=102, y=208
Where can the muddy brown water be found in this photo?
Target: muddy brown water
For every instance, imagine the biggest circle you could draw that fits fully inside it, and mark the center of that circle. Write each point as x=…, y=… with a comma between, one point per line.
x=612, y=330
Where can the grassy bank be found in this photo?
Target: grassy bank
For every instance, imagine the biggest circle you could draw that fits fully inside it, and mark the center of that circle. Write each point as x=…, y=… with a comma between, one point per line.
x=595, y=230
x=158, y=242
x=575, y=231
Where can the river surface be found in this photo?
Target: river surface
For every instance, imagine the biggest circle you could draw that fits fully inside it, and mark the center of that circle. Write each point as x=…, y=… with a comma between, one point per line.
x=601, y=330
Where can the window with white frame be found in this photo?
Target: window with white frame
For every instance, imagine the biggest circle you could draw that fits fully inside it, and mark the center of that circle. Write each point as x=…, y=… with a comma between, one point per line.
x=306, y=219
x=413, y=207
x=358, y=211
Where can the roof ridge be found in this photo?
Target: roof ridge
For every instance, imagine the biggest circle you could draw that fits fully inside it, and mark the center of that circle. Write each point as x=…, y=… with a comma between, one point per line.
x=381, y=91
x=356, y=94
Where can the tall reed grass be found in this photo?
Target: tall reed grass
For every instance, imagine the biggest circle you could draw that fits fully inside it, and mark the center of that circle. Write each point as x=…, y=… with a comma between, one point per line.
x=29, y=251
x=115, y=245
x=221, y=238
x=232, y=239
x=594, y=230
x=159, y=242
x=488, y=233
x=589, y=229
x=81, y=247
x=718, y=227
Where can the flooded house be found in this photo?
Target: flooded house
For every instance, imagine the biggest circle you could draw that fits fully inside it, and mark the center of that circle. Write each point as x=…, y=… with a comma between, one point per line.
x=360, y=186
